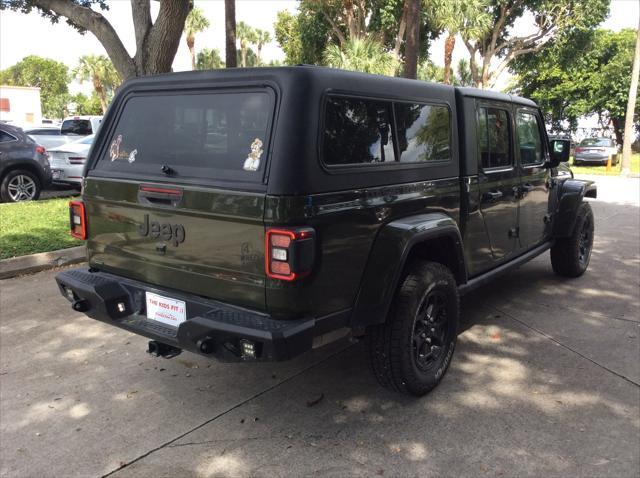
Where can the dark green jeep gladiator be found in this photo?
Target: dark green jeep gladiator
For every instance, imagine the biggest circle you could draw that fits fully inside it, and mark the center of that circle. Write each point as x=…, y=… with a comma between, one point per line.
x=252, y=214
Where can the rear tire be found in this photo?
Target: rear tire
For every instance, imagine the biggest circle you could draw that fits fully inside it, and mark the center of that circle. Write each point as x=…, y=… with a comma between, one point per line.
x=570, y=256
x=412, y=350
x=20, y=185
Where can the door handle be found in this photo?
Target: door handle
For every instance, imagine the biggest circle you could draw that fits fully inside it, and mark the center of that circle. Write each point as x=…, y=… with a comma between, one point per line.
x=492, y=195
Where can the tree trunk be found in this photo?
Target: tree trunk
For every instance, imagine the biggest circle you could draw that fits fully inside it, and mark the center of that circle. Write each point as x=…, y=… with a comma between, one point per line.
x=631, y=105
x=449, y=45
x=259, y=55
x=243, y=53
x=413, y=39
x=99, y=89
x=401, y=29
x=191, y=45
x=230, y=33
x=618, y=128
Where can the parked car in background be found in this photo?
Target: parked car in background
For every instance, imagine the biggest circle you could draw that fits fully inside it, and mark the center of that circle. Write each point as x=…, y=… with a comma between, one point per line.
x=596, y=150
x=24, y=166
x=68, y=160
x=80, y=125
x=48, y=136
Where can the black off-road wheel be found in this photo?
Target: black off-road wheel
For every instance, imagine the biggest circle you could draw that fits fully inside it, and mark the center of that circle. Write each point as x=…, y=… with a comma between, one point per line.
x=411, y=351
x=570, y=256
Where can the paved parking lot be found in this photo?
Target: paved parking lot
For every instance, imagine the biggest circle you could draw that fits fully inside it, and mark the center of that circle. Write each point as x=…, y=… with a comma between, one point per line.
x=545, y=382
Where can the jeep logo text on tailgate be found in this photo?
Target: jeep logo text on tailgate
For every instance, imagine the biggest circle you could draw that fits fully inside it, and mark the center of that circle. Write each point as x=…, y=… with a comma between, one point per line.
x=173, y=233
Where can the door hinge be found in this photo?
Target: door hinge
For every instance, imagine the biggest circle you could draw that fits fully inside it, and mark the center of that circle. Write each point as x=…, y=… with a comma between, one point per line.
x=514, y=232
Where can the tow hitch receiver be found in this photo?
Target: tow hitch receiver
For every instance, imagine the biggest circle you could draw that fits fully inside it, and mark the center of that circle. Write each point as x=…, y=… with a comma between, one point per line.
x=163, y=350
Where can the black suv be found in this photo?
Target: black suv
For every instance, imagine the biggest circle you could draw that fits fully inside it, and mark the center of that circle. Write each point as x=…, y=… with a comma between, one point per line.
x=251, y=214
x=24, y=166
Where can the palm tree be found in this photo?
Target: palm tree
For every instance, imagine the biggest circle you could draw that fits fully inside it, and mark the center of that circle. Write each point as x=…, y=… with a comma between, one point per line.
x=245, y=34
x=100, y=71
x=195, y=23
x=262, y=37
x=361, y=54
x=209, y=59
x=470, y=18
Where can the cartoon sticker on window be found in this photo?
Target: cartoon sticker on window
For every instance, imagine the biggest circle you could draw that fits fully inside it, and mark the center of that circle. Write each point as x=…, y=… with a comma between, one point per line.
x=116, y=153
x=114, y=150
x=252, y=163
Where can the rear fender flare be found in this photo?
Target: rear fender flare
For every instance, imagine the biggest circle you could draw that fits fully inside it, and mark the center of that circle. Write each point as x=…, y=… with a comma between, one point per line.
x=388, y=257
x=571, y=193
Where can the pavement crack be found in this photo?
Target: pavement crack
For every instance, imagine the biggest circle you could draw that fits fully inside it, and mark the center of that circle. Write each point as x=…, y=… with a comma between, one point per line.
x=219, y=440
x=544, y=334
x=221, y=414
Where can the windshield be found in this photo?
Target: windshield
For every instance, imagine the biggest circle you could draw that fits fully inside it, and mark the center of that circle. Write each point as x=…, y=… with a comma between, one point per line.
x=596, y=142
x=192, y=135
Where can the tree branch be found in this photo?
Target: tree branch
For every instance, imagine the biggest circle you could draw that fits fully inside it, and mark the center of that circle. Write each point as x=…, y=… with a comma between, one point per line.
x=164, y=36
x=141, y=15
x=94, y=22
x=335, y=29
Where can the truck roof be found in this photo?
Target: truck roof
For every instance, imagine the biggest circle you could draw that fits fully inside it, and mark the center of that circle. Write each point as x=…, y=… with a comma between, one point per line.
x=338, y=79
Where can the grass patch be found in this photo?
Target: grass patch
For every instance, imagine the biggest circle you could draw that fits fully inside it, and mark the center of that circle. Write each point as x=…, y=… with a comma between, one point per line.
x=602, y=170
x=34, y=226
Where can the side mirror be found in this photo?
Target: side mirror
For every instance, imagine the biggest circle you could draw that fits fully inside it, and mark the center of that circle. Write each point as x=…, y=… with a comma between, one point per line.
x=560, y=150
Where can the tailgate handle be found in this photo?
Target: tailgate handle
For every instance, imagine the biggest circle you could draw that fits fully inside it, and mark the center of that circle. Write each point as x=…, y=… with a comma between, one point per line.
x=159, y=195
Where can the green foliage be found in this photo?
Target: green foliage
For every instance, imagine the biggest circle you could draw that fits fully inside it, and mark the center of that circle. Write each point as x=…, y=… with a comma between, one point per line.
x=86, y=105
x=195, y=23
x=34, y=226
x=209, y=59
x=461, y=76
x=366, y=55
x=588, y=73
x=302, y=37
x=52, y=77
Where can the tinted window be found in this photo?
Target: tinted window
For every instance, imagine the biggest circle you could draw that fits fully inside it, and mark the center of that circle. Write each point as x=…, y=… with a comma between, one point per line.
x=493, y=138
x=529, y=140
x=357, y=131
x=77, y=127
x=5, y=137
x=423, y=132
x=210, y=135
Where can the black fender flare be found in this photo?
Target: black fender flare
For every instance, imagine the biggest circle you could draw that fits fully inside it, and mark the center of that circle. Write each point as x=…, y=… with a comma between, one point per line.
x=570, y=194
x=387, y=260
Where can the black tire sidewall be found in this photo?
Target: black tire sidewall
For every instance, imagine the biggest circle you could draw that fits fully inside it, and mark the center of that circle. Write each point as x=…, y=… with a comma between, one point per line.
x=429, y=277
x=4, y=185
x=584, y=213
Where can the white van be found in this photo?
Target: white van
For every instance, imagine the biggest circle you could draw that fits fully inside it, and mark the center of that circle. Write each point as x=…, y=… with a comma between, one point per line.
x=80, y=125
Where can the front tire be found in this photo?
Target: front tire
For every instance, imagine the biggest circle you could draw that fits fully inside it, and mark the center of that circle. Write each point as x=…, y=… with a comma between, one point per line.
x=20, y=185
x=412, y=350
x=570, y=256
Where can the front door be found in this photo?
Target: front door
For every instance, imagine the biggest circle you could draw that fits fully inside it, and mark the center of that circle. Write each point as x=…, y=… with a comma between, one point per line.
x=533, y=189
x=498, y=179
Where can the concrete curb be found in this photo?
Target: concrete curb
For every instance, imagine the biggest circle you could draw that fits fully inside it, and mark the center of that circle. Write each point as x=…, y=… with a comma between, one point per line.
x=40, y=262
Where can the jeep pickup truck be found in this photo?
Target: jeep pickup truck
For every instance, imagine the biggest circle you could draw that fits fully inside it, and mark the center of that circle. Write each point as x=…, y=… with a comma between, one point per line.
x=252, y=214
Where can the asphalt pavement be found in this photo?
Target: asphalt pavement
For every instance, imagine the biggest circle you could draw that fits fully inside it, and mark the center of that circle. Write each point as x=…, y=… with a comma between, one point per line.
x=545, y=382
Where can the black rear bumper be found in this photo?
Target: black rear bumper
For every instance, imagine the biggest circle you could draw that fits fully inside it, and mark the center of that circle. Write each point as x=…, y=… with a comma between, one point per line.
x=212, y=328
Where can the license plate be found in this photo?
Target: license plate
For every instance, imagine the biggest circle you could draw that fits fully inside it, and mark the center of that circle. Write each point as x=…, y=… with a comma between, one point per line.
x=166, y=310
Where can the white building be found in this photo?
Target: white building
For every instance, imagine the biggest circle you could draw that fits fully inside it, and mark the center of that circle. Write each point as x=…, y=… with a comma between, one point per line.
x=20, y=105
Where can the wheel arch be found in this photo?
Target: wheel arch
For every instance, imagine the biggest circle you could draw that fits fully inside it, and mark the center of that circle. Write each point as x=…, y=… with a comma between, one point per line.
x=433, y=237
x=571, y=193
x=15, y=166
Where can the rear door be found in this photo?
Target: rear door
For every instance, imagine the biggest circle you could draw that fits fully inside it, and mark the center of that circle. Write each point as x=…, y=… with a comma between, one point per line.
x=498, y=178
x=175, y=195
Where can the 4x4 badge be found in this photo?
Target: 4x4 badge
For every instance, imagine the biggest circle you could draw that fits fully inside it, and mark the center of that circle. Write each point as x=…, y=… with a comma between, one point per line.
x=173, y=233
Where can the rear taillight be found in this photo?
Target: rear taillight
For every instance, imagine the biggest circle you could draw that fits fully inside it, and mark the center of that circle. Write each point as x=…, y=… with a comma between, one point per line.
x=78, y=220
x=579, y=150
x=40, y=150
x=289, y=253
